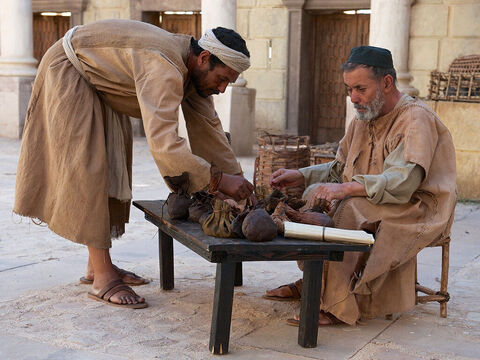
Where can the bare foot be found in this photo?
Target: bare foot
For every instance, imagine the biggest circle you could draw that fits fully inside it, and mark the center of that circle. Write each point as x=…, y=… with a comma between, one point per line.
x=125, y=295
x=291, y=291
x=128, y=277
x=107, y=285
x=323, y=319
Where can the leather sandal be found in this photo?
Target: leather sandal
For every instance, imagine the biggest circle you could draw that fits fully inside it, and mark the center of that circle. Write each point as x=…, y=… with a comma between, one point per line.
x=111, y=289
x=295, y=289
x=332, y=320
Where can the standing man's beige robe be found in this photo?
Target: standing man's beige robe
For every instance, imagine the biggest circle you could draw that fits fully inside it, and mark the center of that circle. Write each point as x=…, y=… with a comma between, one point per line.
x=383, y=282
x=138, y=70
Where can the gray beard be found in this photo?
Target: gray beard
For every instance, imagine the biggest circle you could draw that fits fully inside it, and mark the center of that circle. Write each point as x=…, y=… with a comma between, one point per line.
x=373, y=108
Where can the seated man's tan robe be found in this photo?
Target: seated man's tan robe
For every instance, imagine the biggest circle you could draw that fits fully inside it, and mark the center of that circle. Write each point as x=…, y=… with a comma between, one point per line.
x=138, y=70
x=383, y=282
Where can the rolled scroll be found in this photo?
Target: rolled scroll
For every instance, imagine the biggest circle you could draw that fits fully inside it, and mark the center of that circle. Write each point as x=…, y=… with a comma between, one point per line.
x=323, y=233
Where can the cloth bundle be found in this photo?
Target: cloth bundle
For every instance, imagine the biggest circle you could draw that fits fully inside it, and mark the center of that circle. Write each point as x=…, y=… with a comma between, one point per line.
x=296, y=210
x=255, y=223
x=201, y=206
x=225, y=218
x=219, y=222
x=279, y=216
x=178, y=201
x=258, y=226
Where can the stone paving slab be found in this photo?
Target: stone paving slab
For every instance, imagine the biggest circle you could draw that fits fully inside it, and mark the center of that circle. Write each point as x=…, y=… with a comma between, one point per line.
x=20, y=348
x=391, y=351
x=333, y=341
x=448, y=338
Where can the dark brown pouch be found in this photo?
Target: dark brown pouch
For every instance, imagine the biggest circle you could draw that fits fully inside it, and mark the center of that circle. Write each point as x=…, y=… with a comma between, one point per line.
x=178, y=200
x=201, y=204
x=258, y=226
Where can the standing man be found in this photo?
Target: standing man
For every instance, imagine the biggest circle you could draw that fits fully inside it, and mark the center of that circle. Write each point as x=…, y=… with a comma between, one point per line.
x=75, y=166
x=394, y=175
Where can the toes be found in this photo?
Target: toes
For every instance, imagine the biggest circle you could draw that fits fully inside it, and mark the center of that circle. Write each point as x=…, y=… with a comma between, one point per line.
x=283, y=291
x=127, y=298
x=130, y=299
x=133, y=279
x=322, y=319
x=134, y=299
x=130, y=279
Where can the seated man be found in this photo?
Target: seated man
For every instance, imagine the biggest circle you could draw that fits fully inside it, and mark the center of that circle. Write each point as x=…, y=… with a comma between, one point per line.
x=394, y=175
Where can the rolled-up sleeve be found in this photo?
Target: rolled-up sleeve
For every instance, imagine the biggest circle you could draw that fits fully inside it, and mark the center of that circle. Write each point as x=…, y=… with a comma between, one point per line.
x=323, y=173
x=398, y=181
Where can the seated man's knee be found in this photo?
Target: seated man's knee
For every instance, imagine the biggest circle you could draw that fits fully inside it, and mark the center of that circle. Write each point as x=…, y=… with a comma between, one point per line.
x=356, y=213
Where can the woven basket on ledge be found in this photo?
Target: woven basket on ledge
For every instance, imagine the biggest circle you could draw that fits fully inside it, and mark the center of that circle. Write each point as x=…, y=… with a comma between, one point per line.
x=460, y=83
x=277, y=152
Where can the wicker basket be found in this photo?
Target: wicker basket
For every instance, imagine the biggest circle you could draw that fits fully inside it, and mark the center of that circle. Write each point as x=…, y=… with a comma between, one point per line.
x=323, y=153
x=277, y=152
x=460, y=83
x=465, y=64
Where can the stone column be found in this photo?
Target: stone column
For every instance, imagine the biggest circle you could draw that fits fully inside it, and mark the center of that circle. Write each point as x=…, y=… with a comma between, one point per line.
x=235, y=107
x=17, y=65
x=295, y=20
x=390, y=28
x=219, y=13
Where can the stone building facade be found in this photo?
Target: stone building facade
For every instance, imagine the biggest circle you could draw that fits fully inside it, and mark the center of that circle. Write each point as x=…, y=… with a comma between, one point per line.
x=264, y=25
x=283, y=38
x=106, y=9
x=440, y=31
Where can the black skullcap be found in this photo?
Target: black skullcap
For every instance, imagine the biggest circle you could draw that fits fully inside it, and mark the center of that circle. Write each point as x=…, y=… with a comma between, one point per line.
x=371, y=56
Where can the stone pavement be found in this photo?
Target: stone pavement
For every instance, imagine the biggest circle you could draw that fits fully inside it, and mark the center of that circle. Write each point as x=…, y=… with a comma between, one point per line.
x=45, y=313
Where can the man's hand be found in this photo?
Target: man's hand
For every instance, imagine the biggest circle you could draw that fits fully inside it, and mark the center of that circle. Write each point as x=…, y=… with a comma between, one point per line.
x=286, y=178
x=331, y=191
x=235, y=186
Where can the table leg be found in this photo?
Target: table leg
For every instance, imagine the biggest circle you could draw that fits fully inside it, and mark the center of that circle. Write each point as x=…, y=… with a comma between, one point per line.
x=310, y=303
x=222, y=308
x=238, y=274
x=165, y=258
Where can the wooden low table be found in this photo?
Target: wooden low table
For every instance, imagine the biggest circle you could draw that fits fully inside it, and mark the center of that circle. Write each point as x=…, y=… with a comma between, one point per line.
x=229, y=255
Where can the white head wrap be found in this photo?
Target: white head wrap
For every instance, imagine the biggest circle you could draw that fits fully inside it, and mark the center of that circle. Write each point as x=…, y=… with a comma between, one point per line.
x=232, y=58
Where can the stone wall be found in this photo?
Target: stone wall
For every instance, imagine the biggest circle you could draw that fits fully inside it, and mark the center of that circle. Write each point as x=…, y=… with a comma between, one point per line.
x=463, y=121
x=106, y=9
x=440, y=31
x=264, y=25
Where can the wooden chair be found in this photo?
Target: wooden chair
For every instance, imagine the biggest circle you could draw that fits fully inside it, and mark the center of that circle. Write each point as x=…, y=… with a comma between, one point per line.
x=442, y=296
